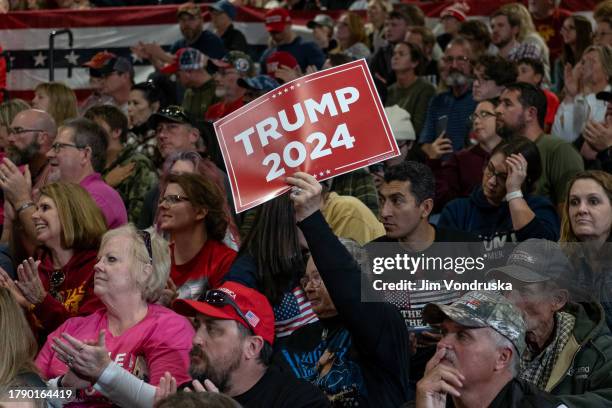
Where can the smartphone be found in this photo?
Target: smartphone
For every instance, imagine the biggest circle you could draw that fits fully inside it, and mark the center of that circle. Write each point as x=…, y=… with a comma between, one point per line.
x=441, y=125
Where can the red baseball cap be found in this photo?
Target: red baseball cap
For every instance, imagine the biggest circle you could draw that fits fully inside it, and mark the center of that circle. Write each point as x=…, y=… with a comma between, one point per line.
x=277, y=19
x=221, y=303
x=99, y=60
x=186, y=59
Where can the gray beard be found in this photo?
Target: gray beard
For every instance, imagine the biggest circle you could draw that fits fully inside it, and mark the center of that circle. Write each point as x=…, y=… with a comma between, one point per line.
x=25, y=156
x=457, y=79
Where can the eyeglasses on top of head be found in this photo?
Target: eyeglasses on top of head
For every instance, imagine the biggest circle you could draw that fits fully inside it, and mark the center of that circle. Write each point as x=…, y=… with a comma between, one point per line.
x=219, y=298
x=146, y=237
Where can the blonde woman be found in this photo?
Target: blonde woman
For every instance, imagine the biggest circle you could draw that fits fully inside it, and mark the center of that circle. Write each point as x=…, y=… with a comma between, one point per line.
x=351, y=36
x=17, y=345
x=582, y=83
x=57, y=100
x=69, y=226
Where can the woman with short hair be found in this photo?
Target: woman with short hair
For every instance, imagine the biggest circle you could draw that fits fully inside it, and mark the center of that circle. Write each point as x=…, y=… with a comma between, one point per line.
x=134, y=336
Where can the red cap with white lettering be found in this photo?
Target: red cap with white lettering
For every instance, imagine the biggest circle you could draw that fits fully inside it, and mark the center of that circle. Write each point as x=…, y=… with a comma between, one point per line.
x=233, y=301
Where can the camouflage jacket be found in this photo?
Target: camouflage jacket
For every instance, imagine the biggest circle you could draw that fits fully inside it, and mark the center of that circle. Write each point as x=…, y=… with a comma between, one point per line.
x=135, y=186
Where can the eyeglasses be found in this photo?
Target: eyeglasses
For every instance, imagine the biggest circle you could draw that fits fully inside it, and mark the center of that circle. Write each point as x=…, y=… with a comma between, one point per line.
x=172, y=199
x=315, y=281
x=449, y=59
x=600, y=34
x=219, y=298
x=481, y=115
x=57, y=146
x=499, y=177
x=146, y=237
x=19, y=130
x=55, y=281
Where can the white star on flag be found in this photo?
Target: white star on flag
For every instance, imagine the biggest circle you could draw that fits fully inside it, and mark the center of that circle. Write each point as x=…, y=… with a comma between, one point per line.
x=328, y=172
x=72, y=58
x=136, y=58
x=39, y=59
x=292, y=87
x=286, y=90
x=321, y=174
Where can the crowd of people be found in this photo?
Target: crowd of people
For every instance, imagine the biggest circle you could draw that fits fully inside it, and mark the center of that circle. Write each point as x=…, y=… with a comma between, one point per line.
x=127, y=276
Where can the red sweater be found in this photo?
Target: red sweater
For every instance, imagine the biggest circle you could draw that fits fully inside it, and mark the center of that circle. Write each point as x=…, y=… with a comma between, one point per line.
x=204, y=271
x=76, y=291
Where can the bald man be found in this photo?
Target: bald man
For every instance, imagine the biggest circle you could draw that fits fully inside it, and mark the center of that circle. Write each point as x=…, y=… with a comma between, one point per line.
x=31, y=136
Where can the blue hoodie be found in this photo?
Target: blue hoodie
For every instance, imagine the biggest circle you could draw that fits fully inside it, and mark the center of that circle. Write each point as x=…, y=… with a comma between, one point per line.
x=477, y=216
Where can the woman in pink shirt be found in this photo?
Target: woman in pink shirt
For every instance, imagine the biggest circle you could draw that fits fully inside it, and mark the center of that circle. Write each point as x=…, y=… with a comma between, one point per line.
x=131, y=336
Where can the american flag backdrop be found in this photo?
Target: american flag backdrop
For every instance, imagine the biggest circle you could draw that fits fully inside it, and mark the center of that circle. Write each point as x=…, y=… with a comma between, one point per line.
x=25, y=36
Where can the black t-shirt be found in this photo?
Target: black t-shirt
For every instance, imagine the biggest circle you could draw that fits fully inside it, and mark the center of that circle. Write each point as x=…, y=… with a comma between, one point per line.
x=279, y=390
x=234, y=40
x=323, y=353
x=208, y=43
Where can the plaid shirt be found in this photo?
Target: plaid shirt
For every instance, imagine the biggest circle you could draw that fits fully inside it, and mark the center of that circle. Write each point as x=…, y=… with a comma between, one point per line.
x=536, y=369
x=359, y=184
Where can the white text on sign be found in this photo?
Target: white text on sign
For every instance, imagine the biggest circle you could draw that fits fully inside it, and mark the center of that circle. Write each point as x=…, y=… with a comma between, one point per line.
x=295, y=153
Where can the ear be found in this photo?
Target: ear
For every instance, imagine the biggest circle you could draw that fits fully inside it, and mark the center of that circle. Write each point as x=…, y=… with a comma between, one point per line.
x=115, y=134
x=252, y=347
x=194, y=135
x=45, y=139
x=504, y=358
x=201, y=214
x=87, y=156
x=155, y=106
x=426, y=207
x=532, y=114
x=515, y=31
x=559, y=299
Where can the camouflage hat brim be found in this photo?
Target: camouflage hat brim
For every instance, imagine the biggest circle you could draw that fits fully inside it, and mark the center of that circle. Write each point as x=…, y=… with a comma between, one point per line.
x=435, y=313
x=520, y=273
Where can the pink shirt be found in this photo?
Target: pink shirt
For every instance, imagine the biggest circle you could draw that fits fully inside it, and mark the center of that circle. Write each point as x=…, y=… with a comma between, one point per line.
x=159, y=343
x=107, y=198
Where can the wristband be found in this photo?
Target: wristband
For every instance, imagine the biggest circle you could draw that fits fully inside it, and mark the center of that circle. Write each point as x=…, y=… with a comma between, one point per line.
x=25, y=205
x=513, y=195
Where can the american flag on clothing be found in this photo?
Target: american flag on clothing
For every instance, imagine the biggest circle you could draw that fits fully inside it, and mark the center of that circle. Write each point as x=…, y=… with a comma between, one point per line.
x=293, y=312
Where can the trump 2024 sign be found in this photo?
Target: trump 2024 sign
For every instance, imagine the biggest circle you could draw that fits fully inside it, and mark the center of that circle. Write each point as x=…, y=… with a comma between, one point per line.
x=326, y=124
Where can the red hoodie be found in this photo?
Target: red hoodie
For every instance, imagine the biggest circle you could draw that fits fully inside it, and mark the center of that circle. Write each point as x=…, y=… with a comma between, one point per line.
x=76, y=291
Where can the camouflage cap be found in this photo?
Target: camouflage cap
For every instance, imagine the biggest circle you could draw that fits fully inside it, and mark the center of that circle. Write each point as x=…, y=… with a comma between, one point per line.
x=482, y=309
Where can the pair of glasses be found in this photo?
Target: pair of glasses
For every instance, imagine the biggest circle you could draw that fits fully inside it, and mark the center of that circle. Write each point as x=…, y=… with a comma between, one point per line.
x=316, y=282
x=55, y=281
x=481, y=115
x=57, y=146
x=449, y=59
x=19, y=130
x=172, y=199
x=499, y=177
x=218, y=298
x=146, y=237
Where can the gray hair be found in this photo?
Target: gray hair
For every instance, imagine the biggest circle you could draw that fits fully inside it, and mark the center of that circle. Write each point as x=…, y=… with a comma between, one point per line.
x=88, y=133
x=152, y=285
x=502, y=341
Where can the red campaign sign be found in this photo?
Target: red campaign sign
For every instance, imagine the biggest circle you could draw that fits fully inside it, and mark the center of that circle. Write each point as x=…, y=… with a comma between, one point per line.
x=327, y=123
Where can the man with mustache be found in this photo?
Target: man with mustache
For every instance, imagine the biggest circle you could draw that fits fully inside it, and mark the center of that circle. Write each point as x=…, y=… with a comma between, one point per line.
x=569, y=346
x=477, y=361
x=232, y=350
x=31, y=136
x=456, y=104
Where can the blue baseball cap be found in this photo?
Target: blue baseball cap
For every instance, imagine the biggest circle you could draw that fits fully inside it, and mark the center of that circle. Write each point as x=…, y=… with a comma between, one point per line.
x=226, y=7
x=258, y=83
